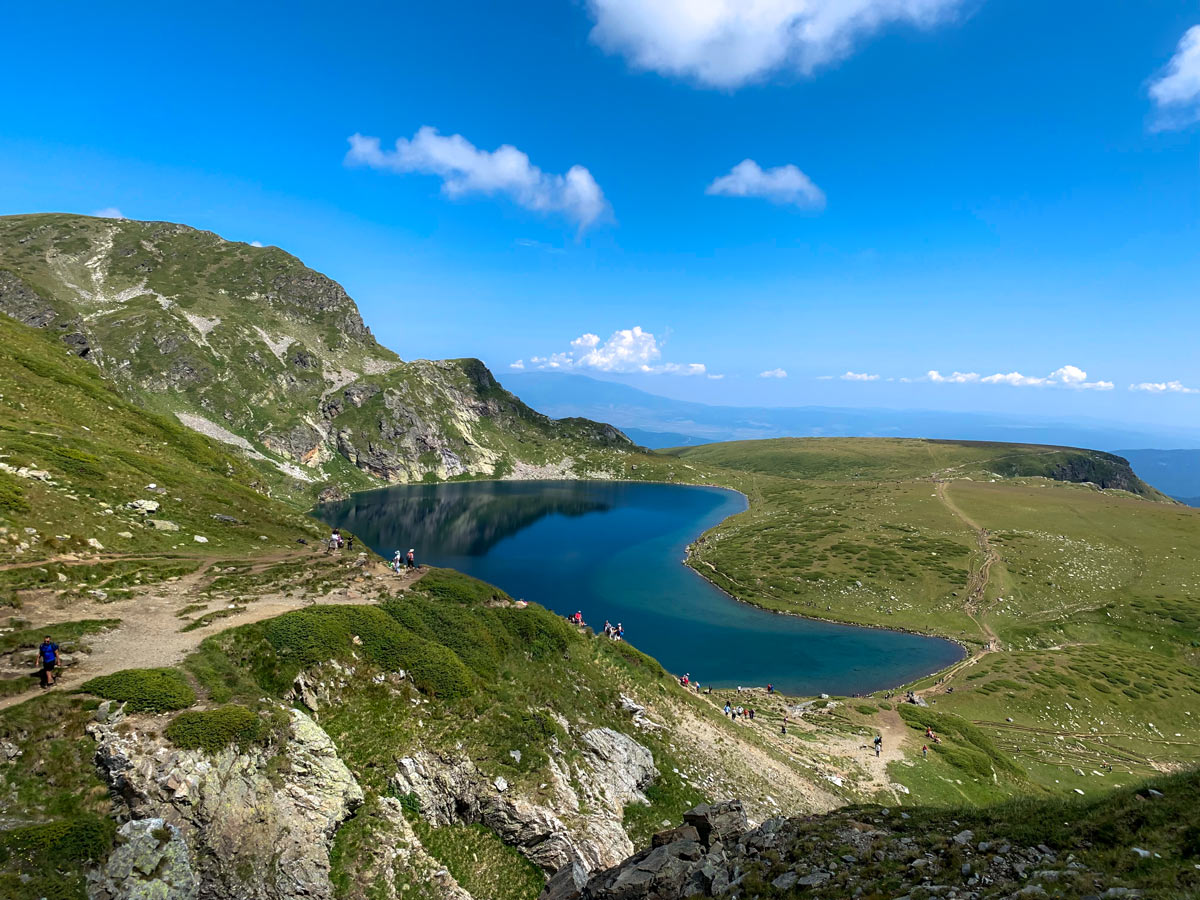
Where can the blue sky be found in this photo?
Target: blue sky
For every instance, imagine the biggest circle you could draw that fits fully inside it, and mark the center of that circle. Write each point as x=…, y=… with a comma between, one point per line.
x=968, y=186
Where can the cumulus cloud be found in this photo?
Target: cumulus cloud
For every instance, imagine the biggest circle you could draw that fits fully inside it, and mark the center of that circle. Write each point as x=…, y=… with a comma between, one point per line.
x=629, y=350
x=953, y=378
x=858, y=376
x=1164, y=387
x=729, y=43
x=1176, y=93
x=109, y=212
x=256, y=243
x=1066, y=376
x=505, y=171
x=518, y=365
x=783, y=184
x=773, y=373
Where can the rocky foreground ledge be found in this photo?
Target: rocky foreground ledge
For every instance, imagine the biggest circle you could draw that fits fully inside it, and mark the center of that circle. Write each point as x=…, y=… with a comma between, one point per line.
x=855, y=853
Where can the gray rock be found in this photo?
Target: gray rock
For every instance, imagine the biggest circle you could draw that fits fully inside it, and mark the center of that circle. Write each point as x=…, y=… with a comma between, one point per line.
x=149, y=862
x=258, y=831
x=143, y=506
x=724, y=821
x=964, y=837
x=162, y=525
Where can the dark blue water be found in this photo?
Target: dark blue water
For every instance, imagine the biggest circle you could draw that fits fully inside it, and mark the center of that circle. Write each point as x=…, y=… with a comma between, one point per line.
x=614, y=550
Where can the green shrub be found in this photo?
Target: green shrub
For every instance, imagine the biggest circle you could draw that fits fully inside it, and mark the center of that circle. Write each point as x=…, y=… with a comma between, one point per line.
x=454, y=586
x=53, y=844
x=309, y=636
x=12, y=498
x=212, y=730
x=144, y=690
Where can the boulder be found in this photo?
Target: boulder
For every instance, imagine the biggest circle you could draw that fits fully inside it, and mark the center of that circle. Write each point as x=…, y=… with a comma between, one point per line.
x=151, y=861
x=724, y=821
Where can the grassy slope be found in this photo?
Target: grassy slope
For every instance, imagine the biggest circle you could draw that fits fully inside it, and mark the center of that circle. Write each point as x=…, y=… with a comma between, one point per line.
x=1093, y=596
x=59, y=416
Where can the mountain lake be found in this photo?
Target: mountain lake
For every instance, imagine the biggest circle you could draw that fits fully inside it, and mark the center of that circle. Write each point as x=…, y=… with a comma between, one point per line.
x=615, y=550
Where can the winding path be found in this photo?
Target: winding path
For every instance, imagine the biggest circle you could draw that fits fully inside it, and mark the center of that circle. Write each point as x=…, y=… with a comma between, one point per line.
x=975, y=604
x=150, y=632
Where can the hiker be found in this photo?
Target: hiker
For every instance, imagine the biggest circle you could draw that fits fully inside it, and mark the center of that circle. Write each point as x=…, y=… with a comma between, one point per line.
x=925, y=751
x=751, y=715
x=620, y=635
x=770, y=688
x=728, y=708
x=397, y=562
x=878, y=745
x=686, y=679
x=411, y=560
x=47, y=657
x=349, y=542
x=783, y=729
x=335, y=539
x=607, y=628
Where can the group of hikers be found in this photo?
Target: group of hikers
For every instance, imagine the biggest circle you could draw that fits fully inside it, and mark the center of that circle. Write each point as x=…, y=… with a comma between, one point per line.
x=610, y=631
x=338, y=542
x=401, y=561
x=404, y=561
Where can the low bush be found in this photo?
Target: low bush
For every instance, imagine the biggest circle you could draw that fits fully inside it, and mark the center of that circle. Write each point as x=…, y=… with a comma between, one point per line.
x=454, y=586
x=212, y=730
x=309, y=636
x=144, y=690
x=88, y=837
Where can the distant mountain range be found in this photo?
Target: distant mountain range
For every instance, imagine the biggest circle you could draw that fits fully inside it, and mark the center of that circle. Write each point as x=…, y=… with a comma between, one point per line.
x=657, y=422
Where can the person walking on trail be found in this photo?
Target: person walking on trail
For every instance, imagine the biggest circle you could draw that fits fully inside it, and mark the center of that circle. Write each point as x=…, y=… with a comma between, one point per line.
x=47, y=657
x=925, y=751
x=397, y=562
x=411, y=559
x=878, y=744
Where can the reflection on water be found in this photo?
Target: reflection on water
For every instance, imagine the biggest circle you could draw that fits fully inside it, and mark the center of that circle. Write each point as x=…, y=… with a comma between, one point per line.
x=613, y=550
x=464, y=519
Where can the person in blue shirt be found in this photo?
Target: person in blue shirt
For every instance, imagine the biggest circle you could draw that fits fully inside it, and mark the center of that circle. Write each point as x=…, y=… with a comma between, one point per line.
x=48, y=659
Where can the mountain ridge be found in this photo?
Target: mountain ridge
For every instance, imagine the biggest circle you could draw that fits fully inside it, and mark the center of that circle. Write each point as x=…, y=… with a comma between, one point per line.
x=248, y=344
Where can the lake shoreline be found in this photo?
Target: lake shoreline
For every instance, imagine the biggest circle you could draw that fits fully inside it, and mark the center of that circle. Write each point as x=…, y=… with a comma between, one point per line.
x=964, y=651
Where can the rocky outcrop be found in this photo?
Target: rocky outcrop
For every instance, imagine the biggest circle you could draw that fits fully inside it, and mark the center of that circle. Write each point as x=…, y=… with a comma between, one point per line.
x=871, y=852
x=584, y=830
x=692, y=860
x=258, y=822
x=276, y=352
x=150, y=861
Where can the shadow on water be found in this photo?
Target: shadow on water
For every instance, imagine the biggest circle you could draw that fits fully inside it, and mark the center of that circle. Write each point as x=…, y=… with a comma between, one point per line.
x=613, y=550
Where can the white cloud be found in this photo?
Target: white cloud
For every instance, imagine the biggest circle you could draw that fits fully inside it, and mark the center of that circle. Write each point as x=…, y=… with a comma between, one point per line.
x=518, y=365
x=773, y=373
x=858, y=376
x=729, y=43
x=782, y=184
x=465, y=170
x=109, y=212
x=1176, y=92
x=1164, y=387
x=954, y=378
x=256, y=243
x=712, y=377
x=628, y=351
x=1066, y=376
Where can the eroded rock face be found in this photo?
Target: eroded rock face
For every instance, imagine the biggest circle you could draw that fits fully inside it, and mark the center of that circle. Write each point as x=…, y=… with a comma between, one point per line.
x=149, y=862
x=614, y=772
x=258, y=823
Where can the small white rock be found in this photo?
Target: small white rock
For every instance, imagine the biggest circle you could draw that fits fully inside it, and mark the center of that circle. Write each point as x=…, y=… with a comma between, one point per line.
x=200, y=539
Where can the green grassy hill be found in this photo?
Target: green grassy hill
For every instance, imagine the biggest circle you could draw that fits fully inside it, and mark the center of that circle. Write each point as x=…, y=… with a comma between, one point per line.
x=1079, y=604
x=77, y=461
x=248, y=345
